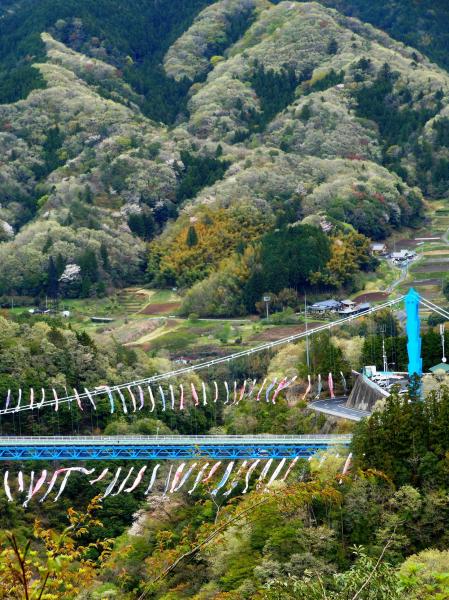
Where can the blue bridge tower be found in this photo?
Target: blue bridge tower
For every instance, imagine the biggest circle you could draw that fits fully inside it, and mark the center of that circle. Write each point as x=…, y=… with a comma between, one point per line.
x=413, y=333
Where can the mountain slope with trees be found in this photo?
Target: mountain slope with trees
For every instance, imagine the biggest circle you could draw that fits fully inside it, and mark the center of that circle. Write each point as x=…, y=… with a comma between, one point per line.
x=291, y=114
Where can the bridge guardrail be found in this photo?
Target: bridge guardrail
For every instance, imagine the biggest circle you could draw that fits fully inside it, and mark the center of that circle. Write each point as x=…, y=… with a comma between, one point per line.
x=173, y=439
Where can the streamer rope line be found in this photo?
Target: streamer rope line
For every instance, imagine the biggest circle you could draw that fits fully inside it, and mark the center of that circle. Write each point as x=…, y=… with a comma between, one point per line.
x=90, y=394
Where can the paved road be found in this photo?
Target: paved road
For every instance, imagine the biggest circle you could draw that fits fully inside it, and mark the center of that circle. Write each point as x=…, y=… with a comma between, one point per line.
x=336, y=408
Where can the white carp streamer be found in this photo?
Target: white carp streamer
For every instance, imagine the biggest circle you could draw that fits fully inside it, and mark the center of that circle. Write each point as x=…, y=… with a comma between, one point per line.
x=153, y=479
x=30, y=489
x=235, y=481
x=19, y=400
x=330, y=383
x=181, y=397
x=153, y=403
x=137, y=480
x=276, y=472
x=20, y=481
x=122, y=398
x=198, y=478
x=346, y=466
x=172, y=397
x=162, y=395
x=112, y=484
x=248, y=475
x=141, y=397
x=344, y=384
x=8, y=399
x=52, y=483
x=56, y=399
x=167, y=481
x=264, y=472
x=124, y=482
x=31, y=398
x=227, y=392
x=133, y=398
x=216, y=391
x=290, y=468
x=224, y=479
x=111, y=399
x=7, y=488
x=78, y=399
x=33, y=490
x=319, y=387
x=42, y=398
x=89, y=395
x=203, y=386
x=186, y=477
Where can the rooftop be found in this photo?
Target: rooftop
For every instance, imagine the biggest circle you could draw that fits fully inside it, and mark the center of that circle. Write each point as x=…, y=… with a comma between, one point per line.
x=440, y=367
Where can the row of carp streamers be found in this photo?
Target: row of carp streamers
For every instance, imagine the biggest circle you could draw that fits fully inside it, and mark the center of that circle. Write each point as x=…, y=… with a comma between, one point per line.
x=174, y=397
x=173, y=482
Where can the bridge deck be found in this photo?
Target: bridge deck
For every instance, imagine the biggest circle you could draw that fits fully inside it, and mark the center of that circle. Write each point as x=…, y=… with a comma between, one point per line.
x=166, y=447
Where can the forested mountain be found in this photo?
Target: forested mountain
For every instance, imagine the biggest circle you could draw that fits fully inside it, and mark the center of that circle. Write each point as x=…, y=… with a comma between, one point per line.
x=198, y=128
x=423, y=25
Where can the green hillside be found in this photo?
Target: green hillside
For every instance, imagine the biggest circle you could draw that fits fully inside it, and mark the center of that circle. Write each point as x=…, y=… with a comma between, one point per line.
x=275, y=114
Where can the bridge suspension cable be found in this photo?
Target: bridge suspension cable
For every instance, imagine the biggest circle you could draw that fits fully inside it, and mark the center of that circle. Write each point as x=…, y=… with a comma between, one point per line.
x=435, y=308
x=207, y=364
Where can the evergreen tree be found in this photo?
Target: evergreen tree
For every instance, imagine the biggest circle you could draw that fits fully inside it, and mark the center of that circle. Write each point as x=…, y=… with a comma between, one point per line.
x=332, y=47
x=192, y=237
x=52, y=279
x=104, y=254
x=89, y=266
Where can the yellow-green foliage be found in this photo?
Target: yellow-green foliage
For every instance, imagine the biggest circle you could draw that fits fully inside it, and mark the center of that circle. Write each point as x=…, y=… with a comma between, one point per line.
x=426, y=575
x=219, y=234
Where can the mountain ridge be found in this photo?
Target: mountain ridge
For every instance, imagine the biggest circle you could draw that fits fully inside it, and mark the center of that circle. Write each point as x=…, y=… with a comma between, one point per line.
x=278, y=124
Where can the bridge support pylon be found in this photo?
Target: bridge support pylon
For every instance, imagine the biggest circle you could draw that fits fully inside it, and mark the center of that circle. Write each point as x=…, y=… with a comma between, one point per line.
x=413, y=333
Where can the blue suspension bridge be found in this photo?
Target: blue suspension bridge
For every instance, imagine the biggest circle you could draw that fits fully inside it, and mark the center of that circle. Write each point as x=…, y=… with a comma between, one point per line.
x=213, y=447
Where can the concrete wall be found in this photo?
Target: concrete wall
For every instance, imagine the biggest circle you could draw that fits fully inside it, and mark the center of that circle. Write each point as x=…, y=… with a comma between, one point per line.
x=365, y=394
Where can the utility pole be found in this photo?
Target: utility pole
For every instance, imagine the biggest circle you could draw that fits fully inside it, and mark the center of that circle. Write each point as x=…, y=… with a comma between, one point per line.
x=307, y=336
x=384, y=352
x=267, y=299
x=444, y=359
